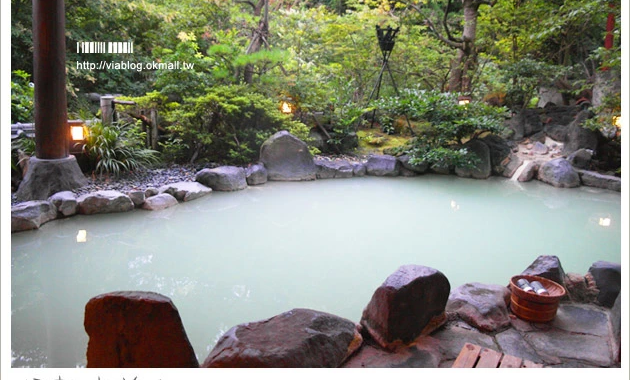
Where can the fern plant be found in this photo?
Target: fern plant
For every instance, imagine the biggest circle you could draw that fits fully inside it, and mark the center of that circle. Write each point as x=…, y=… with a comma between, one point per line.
x=115, y=148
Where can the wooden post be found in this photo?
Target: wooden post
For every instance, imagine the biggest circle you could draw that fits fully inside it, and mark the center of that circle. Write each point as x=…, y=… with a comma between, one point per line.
x=154, y=129
x=107, y=109
x=52, y=134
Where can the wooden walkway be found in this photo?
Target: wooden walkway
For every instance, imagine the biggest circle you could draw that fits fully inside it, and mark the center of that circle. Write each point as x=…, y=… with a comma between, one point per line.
x=473, y=356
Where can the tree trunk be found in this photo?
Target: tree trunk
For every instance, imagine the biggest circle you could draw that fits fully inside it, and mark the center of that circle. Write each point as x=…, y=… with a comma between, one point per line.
x=258, y=38
x=466, y=61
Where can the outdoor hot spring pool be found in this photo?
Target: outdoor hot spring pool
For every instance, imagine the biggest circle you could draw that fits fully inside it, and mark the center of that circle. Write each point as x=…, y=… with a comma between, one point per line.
x=231, y=258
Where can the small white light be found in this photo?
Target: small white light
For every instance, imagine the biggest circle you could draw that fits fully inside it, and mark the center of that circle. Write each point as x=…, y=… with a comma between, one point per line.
x=77, y=132
x=617, y=121
x=286, y=108
x=604, y=222
x=82, y=236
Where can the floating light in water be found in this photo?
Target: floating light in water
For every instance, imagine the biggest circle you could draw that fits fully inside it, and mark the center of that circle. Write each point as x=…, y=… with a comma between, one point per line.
x=604, y=222
x=82, y=236
x=454, y=206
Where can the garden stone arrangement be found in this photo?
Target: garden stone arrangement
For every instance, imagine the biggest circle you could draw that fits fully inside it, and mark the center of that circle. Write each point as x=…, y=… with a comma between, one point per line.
x=283, y=157
x=413, y=320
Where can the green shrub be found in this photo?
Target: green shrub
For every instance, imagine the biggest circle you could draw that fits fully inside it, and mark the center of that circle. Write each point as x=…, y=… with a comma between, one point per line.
x=227, y=124
x=117, y=147
x=446, y=124
x=22, y=92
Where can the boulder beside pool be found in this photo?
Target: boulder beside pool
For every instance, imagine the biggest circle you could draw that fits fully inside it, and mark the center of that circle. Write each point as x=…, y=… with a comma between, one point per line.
x=287, y=158
x=223, y=178
x=299, y=338
x=136, y=330
x=103, y=202
x=409, y=304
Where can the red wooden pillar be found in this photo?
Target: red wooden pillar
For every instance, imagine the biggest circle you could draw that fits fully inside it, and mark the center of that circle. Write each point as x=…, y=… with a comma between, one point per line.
x=610, y=25
x=49, y=74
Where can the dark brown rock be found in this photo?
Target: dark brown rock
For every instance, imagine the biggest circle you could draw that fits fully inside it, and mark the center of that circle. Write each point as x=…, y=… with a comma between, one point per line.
x=580, y=288
x=607, y=277
x=298, y=338
x=547, y=266
x=409, y=304
x=482, y=306
x=136, y=330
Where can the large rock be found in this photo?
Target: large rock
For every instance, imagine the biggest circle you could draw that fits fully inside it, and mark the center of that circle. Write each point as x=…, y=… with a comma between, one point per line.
x=136, y=330
x=525, y=123
x=607, y=277
x=529, y=171
x=416, y=168
x=499, y=151
x=382, y=165
x=65, y=202
x=256, y=174
x=483, y=168
x=546, y=266
x=298, y=338
x=103, y=202
x=601, y=181
x=185, y=191
x=410, y=303
x=578, y=137
x=287, y=158
x=482, y=306
x=32, y=214
x=615, y=321
x=327, y=169
x=159, y=202
x=223, y=178
x=359, y=169
x=558, y=173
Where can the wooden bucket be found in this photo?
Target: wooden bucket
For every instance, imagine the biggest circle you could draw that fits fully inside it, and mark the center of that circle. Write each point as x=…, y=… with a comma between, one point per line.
x=534, y=307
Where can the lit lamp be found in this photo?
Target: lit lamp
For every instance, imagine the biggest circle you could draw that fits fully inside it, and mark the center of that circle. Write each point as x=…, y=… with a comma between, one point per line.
x=77, y=132
x=285, y=107
x=463, y=100
x=616, y=120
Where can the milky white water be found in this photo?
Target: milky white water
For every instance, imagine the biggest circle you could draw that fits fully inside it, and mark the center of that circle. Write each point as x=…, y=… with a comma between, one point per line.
x=238, y=257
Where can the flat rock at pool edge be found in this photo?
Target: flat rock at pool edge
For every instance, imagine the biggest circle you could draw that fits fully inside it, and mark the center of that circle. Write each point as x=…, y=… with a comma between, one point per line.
x=31, y=215
x=382, y=166
x=223, y=178
x=136, y=330
x=480, y=305
x=103, y=202
x=159, y=202
x=300, y=338
x=607, y=278
x=410, y=303
x=185, y=191
x=287, y=158
x=327, y=169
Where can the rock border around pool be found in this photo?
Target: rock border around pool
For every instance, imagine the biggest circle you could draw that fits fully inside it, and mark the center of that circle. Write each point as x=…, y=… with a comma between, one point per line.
x=284, y=157
x=413, y=320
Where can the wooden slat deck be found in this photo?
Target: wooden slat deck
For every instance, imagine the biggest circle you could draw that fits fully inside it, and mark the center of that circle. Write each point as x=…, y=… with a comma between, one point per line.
x=473, y=356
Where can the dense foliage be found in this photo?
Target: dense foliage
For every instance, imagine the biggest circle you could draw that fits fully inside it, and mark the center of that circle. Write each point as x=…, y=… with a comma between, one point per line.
x=323, y=56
